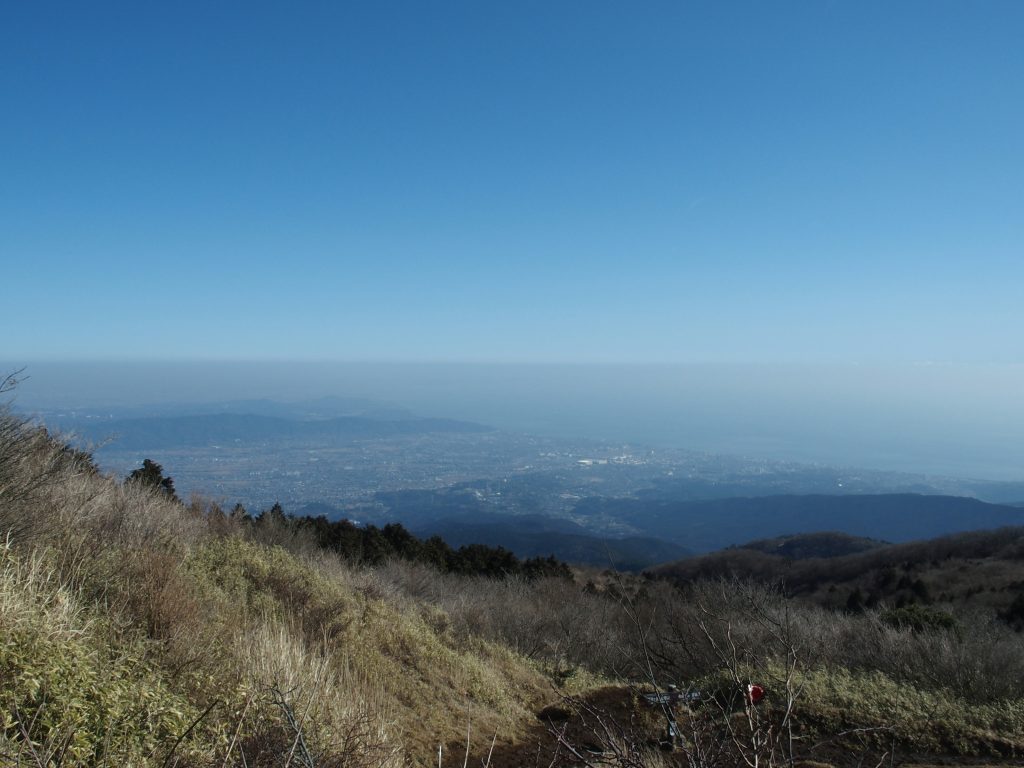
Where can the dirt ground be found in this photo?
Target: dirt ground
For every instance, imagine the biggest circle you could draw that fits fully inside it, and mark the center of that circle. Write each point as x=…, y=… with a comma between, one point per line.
x=577, y=732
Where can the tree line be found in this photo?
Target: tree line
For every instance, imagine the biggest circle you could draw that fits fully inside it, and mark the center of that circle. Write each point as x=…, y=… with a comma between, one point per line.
x=373, y=545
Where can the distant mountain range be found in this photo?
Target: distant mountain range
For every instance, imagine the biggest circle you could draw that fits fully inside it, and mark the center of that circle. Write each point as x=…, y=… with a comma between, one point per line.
x=711, y=524
x=299, y=410
x=160, y=433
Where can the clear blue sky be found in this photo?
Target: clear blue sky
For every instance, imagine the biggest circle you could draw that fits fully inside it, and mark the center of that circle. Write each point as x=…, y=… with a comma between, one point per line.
x=515, y=181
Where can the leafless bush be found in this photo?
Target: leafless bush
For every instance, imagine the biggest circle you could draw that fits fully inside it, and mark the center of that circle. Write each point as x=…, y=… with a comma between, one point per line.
x=552, y=621
x=29, y=464
x=742, y=639
x=274, y=533
x=599, y=739
x=979, y=662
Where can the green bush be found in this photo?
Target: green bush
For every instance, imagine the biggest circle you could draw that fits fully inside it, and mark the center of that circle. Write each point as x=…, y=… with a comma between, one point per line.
x=64, y=685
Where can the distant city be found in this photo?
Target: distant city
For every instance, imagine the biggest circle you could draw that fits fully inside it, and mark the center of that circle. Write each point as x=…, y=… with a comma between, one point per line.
x=270, y=464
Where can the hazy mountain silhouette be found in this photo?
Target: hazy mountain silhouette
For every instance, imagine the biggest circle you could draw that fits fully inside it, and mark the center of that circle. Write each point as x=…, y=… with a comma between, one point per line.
x=214, y=429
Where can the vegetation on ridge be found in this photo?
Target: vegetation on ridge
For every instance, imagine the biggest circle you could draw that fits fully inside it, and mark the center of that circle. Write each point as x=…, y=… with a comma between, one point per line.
x=981, y=571
x=370, y=545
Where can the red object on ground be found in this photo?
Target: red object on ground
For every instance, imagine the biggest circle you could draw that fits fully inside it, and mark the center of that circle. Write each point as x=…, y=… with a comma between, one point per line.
x=754, y=693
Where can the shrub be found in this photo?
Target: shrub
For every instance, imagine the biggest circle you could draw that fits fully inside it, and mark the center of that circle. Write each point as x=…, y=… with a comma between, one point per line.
x=920, y=618
x=64, y=686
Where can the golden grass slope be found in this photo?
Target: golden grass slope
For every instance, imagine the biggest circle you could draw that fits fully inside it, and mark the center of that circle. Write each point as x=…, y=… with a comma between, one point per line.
x=133, y=634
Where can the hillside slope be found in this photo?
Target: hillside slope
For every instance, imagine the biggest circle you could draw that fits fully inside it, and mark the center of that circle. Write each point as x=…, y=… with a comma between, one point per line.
x=119, y=606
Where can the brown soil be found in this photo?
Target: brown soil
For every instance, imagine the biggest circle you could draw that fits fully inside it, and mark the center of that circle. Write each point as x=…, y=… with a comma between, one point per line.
x=616, y=712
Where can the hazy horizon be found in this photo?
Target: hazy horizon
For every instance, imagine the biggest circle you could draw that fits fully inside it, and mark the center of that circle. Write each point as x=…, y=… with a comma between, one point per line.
x=735, y=227
x=954, y=420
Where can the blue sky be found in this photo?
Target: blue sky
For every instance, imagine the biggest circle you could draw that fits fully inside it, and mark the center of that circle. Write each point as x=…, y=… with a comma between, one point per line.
x=531, y=181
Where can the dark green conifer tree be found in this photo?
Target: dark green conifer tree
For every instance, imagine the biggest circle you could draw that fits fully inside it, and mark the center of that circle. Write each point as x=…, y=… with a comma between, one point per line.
x=151, y=475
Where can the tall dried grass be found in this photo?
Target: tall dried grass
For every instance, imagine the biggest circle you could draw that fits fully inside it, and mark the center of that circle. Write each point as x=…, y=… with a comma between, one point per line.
x=267, y=653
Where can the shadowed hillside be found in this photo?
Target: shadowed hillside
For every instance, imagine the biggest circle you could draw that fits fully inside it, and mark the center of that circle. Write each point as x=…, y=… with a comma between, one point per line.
x=540, y=536
x=806, y=545
x=982, y=569
x=712, y=524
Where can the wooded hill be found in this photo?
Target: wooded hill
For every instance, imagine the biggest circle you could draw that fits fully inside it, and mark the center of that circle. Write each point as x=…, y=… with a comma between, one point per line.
x=980, y=569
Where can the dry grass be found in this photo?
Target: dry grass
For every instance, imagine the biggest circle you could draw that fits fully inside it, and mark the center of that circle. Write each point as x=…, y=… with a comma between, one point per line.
x=433, y=680
x=254, y=649
x=837, y=700
x=69, y=687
